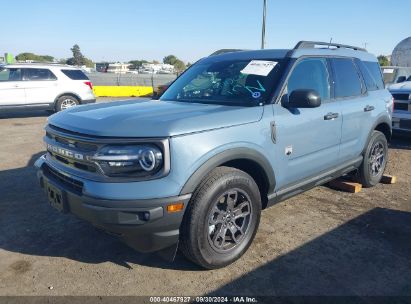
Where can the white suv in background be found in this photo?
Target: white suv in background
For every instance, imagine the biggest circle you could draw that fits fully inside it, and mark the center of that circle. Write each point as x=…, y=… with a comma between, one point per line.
x=50, y=86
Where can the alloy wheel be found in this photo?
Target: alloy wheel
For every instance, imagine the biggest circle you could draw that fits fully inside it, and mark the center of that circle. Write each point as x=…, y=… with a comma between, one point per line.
x=229, y=220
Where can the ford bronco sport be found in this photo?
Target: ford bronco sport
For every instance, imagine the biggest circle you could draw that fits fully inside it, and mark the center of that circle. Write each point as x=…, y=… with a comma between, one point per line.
x=234, y=134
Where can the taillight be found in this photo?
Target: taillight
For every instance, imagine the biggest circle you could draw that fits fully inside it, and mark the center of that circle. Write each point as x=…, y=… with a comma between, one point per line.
x=89, y=84
x=392, y=110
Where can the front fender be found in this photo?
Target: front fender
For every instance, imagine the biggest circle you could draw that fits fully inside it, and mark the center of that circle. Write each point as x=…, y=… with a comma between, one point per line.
x=230, y=154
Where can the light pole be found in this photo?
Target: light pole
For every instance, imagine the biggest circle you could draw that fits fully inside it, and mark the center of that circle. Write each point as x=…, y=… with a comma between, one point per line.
x=263, y=29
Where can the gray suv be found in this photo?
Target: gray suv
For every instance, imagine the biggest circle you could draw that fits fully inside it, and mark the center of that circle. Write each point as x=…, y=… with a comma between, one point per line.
x=234, y=134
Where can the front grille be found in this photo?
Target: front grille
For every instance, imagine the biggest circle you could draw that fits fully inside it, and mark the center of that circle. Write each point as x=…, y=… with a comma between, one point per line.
x=72, y=184
x=69, y=141
x=401, y=106
x=405, y=124
x=401, y=96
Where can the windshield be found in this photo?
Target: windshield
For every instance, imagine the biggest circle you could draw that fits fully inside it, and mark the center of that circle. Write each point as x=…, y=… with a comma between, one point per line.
x=229, y=82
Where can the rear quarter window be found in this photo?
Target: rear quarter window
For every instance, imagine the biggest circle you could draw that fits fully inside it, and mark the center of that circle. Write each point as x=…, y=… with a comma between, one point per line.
x=75, y=74
x=371, y=73
x=375, y=70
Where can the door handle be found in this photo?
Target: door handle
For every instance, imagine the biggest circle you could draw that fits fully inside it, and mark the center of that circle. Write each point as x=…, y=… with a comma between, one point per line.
x=368, y=108
x=17, y=86
x=330, y=116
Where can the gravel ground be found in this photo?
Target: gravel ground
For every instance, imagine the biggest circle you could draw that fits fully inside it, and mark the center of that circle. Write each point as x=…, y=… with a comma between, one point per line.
x=324, y=242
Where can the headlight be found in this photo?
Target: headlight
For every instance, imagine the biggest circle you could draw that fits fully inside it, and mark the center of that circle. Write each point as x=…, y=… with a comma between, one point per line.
x=130, y=160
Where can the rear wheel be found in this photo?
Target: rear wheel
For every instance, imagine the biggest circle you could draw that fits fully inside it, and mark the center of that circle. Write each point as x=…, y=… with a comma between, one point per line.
x=65, y=102
x=375, y=160
x=222, y=218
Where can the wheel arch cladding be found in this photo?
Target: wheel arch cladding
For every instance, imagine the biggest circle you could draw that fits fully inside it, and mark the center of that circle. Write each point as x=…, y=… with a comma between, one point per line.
x=385, y=128
x=250, y=161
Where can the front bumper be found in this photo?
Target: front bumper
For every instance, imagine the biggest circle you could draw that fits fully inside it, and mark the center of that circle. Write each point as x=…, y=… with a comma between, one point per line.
x=144, y=225
x=401, y=121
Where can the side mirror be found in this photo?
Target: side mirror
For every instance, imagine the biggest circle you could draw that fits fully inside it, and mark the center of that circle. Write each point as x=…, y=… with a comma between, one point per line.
x=303, y=98
x=401, y=79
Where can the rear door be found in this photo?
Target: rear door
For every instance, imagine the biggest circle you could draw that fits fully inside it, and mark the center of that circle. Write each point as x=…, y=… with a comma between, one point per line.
x=307, y=138
x=11, y=90
x=357, y=105
x=40, y=85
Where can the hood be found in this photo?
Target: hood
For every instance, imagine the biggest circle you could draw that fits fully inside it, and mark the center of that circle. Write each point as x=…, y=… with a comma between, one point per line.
x=151, y=118
x=406, y=86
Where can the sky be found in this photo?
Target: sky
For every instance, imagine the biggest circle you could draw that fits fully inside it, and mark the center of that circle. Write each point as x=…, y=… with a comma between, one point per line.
x=124, y=30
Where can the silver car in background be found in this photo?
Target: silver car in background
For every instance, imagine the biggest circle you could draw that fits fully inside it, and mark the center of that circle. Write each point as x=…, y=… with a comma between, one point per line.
x=401, y=119
x=393, y=75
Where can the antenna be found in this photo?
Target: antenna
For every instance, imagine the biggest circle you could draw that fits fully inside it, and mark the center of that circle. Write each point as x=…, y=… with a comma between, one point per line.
x=263, y=27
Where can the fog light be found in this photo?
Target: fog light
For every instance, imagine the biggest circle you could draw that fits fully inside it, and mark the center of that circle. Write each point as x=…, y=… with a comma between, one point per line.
x=175, y=207
x=146, y=216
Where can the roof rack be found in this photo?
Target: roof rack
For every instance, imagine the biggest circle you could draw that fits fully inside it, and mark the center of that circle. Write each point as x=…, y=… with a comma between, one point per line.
x=313, y=44
x=224, y=51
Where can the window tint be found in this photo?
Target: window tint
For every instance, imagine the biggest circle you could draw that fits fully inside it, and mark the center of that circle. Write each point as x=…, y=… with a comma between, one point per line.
x=369, y=80
x=11, y=74
x=75, y=74
x=347, y=81
x=375, y=70
x=38, y=74
x=310, y=73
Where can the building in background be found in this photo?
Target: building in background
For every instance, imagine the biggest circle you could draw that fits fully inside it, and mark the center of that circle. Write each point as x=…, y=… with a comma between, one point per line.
x=118, y=68
x=401, y=56
x=156, y=68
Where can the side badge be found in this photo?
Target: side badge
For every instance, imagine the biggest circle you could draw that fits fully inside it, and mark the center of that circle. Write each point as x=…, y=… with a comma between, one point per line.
x=288, y=150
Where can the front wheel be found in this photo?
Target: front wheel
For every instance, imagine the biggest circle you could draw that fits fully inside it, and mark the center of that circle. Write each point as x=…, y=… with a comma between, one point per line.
x=375, y=160
x=222, y=218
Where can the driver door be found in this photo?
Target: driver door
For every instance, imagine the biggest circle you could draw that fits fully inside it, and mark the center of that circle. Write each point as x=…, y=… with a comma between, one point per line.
x=308, y=139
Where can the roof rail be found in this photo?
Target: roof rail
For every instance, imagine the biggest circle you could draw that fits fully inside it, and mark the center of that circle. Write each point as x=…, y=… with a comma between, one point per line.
x=312, y=44
x=224, y=51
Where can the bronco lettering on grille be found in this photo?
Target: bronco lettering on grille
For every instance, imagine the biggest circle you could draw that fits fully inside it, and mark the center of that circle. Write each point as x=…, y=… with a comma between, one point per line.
x=65, y=152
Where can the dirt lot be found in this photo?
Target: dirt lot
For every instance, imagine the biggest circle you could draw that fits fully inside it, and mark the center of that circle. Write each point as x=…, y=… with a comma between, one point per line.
x=324, y=242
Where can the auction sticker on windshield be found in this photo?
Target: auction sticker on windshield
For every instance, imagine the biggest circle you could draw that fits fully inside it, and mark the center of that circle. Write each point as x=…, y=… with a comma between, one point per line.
x=259, y=67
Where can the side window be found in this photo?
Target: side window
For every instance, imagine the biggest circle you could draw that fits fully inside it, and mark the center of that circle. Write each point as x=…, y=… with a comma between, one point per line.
x=369, y=80
x=311, y=73
x=375, y=70
x=11, y=74
x=39, y=74
x=75, y=74
x=347, y=80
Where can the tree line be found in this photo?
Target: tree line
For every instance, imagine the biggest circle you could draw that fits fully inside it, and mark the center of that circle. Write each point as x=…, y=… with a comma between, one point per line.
x=78, y=59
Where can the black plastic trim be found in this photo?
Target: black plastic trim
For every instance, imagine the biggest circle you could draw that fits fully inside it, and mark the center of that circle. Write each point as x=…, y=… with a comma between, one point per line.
x=230, y=155
x=313, y=181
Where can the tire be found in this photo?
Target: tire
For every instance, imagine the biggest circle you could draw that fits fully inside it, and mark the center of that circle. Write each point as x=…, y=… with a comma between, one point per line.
x=375, y=160
x=65, y=102
x=204, y=223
